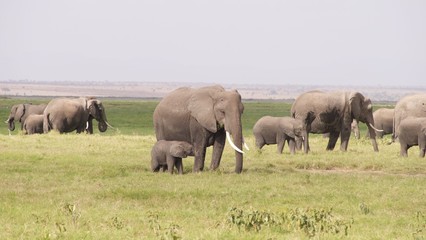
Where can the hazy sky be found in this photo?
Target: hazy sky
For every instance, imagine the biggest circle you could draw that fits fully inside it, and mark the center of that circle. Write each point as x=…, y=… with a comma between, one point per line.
x=356, y=42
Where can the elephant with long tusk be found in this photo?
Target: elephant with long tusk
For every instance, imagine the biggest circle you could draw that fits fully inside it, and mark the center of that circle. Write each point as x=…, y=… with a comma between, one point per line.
x=202, y=117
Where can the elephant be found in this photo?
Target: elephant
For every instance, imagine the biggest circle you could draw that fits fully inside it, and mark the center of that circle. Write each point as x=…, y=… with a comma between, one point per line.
x=202, y=117
x=409, y=106
x=168, y=154
x=412, y=133
x=333, y=112
x=276, y=130
x=20, y=112
x=383, y=119
x=33, y=124
x=74, y=114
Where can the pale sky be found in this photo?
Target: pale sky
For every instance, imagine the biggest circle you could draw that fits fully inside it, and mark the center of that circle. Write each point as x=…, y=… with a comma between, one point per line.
x=310, y=42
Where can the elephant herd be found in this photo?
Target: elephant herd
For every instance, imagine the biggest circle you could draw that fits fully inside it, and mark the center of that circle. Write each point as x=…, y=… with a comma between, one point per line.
x=207, y=116
x=60, y=114
x=188, y=120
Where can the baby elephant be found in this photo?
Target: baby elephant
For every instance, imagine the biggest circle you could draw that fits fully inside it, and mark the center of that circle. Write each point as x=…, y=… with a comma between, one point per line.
x=33, y=124
x=412, y=133
x=277, y=130
x=168, y=154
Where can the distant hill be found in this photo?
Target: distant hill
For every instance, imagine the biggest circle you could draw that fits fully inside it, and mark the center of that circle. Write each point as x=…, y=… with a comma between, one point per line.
x=159, y=90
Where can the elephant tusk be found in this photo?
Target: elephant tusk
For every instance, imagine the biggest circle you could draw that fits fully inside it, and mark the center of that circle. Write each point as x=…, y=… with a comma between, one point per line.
x=7, y=121
x=109, y=125
x=228, y=137
x=375, y=129
x=246, y=146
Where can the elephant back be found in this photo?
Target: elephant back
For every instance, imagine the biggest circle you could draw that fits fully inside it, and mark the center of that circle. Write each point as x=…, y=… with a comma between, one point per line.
x=409, y=106
x=171, y=116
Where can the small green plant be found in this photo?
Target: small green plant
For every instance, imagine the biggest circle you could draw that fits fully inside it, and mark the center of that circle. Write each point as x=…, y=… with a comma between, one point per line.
x=117, y=223
x=312, y=222
x=250, y=219
x=364, y=208
x=172, y=231
x=419, y=226
x=71, y=210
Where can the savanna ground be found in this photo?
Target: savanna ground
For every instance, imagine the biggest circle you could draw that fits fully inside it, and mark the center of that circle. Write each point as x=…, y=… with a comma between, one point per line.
x=100, y=186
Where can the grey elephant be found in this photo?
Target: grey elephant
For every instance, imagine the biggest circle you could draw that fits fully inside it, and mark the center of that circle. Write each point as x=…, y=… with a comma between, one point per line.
x=277, y=130
x=74, y=114
x=33, y=124
x=169, y=154
x=383, y=119
x=20, y=112
x=202, y=117
x=408, y=106
x=333, y=112
x=412, y=133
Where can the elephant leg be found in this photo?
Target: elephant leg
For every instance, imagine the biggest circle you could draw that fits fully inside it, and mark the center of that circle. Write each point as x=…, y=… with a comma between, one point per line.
x=404, y=149
x=292, y=145
x=218, y=146
x=422, y=147
x=298, y=143
x=155, y=167
x=179, y=165
x=345, y=135
x=171, y=163
x=164, y=167
x=280, y=145
x=332, y=140
x=260, y=142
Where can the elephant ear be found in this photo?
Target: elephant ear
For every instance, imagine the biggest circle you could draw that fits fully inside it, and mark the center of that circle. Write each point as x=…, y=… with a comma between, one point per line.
x=177, y=150
x=201, y=108
x=92, y=105
x=291, y=133
x=356, y=101
x=20, y=111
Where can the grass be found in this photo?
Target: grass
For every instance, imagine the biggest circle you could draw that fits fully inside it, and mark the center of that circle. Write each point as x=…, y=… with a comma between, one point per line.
x=100, y=186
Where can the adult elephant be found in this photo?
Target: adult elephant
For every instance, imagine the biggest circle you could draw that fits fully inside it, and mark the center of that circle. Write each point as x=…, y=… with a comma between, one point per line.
x=74, y=114
x=202, y=117
x=383, y=119
x=333, y=112
x=408, y=106
x=20, y=112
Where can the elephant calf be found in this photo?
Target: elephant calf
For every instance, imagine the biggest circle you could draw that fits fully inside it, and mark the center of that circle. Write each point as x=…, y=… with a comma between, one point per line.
x=277, y=130
x=412, y=133
x=168, y=154
x=33, y=124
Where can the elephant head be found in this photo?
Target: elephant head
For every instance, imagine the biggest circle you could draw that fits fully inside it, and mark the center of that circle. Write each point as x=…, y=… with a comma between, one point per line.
x=97, y=111
x=361, y=109
x=16, y=113
x=214, y=108
x=181, y=150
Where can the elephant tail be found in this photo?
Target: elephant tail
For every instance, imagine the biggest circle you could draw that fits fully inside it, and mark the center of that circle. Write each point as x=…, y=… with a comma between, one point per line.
x=47, y=125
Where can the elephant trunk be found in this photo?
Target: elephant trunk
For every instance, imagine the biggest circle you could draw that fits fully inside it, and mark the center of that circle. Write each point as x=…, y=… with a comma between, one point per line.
x=236, y=142
x=372, y=134
x=103, y=123
x=11, y=123
x=102, y=126
x=238, y=139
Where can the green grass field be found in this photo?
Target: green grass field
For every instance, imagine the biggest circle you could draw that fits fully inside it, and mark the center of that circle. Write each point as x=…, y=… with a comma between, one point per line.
x=100, y=186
